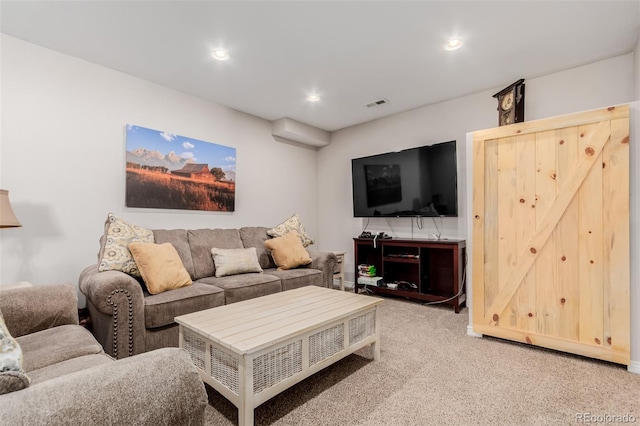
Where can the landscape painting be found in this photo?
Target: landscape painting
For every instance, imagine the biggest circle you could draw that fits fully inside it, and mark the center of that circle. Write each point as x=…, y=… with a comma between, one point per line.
x=169, y=171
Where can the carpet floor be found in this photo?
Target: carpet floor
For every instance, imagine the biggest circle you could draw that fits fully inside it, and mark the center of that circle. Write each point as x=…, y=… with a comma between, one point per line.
x=432, y=373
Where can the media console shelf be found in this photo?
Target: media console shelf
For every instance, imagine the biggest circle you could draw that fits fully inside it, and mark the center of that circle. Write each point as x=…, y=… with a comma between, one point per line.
x=435, y=267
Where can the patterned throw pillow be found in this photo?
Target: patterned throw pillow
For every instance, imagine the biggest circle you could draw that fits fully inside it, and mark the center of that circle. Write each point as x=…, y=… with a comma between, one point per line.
x=235, y=261
x=12, y=375
x=287, y=251
x=292, y=224
x=114, y=252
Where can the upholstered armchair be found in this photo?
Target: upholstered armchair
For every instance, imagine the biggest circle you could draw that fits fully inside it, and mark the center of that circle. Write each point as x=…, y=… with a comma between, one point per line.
x=66, y=378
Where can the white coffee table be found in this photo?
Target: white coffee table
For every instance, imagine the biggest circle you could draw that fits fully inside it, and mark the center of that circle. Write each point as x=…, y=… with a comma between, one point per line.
x=252, y=350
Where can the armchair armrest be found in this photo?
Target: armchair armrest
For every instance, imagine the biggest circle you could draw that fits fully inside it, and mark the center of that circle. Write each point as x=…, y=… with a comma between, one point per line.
x=30, y=309
x=325, y=261
x=160, y=387
x=116, y=302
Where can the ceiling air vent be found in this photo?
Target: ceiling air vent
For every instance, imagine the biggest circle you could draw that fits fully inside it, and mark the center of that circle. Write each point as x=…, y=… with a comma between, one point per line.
x=378, y=103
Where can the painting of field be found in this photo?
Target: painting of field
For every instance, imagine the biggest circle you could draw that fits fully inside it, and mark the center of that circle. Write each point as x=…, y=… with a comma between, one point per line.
x=167, y=171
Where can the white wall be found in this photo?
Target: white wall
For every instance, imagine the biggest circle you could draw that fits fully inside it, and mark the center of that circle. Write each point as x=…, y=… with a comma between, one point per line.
x=63, y=153
x=592, y=86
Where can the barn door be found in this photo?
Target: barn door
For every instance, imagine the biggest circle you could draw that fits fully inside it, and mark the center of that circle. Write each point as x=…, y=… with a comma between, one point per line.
x=551, y=233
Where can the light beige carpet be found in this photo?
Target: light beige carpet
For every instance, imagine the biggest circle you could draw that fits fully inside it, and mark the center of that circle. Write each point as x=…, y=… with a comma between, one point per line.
x=433, y=373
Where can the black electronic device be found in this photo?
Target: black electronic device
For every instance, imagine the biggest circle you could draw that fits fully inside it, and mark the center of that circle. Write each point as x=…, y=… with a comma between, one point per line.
x=409, y=183
x=405, y=285
x=369, y=235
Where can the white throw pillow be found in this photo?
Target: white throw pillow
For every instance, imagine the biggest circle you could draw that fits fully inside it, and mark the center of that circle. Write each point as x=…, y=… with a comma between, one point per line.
x=235, y=261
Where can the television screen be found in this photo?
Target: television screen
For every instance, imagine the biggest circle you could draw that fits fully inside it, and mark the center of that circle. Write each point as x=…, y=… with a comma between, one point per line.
x=413, y=182
x=383, y=184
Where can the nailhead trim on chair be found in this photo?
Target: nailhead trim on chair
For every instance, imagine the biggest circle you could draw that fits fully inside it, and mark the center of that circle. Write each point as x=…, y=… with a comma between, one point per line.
x=115, y=320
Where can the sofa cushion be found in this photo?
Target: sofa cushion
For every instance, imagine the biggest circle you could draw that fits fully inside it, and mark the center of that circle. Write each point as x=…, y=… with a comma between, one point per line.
x=57, y=344
x=255, y=236
x=12, y=375
x=160, y=266
x=202, y=241
x=235, y=261
x=299, y=277
x=67, y=367
x=292, y=224
x=161, y=309
x=179, y=239
x=287, y=251
x=245, y=286
x=114, y=252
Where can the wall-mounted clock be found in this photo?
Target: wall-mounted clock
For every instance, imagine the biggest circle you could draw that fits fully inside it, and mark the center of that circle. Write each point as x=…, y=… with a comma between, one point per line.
x=511, y=103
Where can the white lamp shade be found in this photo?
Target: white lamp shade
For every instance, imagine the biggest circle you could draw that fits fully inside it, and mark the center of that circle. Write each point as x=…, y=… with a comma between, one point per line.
x=8, y=218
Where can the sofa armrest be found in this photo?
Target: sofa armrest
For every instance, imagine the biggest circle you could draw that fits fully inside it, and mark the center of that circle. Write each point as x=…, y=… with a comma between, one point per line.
x=160, y=387
x=35, y=308
x=325, y=261
x=99, y=286
x=116, y=305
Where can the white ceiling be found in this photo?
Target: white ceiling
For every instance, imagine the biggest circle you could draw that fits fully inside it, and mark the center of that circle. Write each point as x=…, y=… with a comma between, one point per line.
x=351, y=53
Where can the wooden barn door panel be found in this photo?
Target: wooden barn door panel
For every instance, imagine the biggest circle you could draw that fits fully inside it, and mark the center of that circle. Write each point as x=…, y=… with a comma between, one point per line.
x=617, y=238
x=551, y=233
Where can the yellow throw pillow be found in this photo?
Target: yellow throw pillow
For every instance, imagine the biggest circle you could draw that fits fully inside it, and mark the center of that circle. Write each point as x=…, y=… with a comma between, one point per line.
x=287, y=251
x=160, y=266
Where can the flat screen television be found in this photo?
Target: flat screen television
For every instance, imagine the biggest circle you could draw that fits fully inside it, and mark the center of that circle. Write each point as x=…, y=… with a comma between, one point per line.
x=413, y=182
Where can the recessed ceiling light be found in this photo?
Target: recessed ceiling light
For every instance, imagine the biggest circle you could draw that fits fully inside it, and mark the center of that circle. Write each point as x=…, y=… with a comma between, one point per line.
x=313, y=97
x=453, y=44
x=220, y=54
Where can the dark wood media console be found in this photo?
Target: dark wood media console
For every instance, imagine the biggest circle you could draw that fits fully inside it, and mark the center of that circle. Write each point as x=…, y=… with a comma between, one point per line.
x=435, y=267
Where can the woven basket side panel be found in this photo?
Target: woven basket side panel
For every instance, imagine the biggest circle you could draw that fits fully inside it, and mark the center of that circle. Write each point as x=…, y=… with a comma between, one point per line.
x=326, y=343
x=224, y=368
x=196, y=347
x=275, y=366
x=362, y=327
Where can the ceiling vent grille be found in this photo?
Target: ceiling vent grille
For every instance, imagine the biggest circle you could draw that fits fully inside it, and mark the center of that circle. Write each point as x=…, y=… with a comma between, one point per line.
x=379, y=102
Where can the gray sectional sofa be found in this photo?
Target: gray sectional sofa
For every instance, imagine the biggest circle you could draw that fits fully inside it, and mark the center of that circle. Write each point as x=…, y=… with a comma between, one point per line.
x=128, y=320
x=72, y=380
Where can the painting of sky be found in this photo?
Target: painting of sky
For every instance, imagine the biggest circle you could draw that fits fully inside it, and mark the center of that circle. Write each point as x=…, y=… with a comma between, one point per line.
x=157, y=148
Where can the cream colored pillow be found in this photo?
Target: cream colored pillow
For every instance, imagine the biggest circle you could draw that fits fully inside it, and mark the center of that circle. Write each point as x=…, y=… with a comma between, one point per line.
x=235, y=261
x=12, y=375
x=114, y=251
x=287, y=251
x=292, y=224
x=160, y=266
